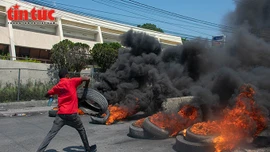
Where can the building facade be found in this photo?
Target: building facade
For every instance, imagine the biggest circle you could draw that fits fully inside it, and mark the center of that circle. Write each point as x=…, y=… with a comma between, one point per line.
x=36, y=40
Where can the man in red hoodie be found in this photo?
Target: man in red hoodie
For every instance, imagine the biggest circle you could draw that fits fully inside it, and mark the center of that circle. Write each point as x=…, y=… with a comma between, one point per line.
x=66, y=90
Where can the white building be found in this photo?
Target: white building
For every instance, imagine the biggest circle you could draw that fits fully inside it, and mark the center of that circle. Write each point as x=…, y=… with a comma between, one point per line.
x=35, y=41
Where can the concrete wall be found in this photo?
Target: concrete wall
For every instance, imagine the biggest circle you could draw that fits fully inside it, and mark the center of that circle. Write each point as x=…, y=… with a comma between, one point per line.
x=9, y=71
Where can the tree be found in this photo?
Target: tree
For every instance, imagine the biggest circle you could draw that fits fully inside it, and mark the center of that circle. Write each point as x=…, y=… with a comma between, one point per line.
x=105, y=54
x=184, y=40
x=151, y=27
x=73, y=56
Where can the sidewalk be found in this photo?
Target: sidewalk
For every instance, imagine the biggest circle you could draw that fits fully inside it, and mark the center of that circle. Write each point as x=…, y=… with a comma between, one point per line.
x=25, y=108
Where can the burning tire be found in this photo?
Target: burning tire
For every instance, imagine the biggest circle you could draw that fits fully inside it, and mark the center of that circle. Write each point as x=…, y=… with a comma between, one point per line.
x=100, y=120
x=184, y=145
x=94, y=99
x=154, y=130
x=138, y=132
x=192, y=137
x=52, y=113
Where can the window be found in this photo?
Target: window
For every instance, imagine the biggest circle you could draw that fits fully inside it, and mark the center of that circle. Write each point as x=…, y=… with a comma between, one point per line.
x=24, y=52
x=33, y=53
x=4, y=49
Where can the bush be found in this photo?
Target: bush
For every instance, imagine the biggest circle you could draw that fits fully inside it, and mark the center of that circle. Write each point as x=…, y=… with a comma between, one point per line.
x=29, y=60
x=28, y=91
x=4, y=56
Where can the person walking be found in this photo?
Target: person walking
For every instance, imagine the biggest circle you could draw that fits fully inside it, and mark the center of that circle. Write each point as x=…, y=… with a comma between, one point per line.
x=67, y=114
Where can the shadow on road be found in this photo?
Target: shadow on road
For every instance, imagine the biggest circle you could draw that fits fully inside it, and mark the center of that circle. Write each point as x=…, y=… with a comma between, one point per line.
x=69, y=149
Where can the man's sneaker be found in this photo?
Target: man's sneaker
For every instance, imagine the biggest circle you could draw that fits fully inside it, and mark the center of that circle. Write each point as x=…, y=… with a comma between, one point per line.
x=93, y=148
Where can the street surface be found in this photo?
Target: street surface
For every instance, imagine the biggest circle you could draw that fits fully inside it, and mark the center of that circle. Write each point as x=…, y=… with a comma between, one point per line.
x=24, y=134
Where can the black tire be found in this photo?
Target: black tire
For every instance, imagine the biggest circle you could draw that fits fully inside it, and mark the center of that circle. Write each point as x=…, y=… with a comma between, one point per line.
x=52, y=113
x=154, y=130
x=88, y=111
x=138, y=132
x=100, y=120
x=95, y=99
x=184, y=145
x=192, y=137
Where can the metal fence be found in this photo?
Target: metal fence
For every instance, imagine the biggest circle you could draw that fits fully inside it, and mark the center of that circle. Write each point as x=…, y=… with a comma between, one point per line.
x=24, y=84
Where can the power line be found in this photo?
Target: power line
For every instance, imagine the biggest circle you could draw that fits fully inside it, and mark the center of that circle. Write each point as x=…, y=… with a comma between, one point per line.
x=88, y=9
x=176, y=15
x=174, y=33
x=158, y=20
x=84, y=14
x=146, y=18
x=116, y=5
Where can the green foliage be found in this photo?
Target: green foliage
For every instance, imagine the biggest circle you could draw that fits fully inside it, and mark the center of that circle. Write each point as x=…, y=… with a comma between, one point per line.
x=28, y=91
x=105, y=54
x=26, y=59
x=29, y=60
x=184, y=40
x=151, y=27
x=73, y=56
x=5, y=56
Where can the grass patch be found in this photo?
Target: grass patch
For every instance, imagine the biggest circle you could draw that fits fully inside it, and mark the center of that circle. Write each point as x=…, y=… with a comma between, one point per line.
x=28, y=91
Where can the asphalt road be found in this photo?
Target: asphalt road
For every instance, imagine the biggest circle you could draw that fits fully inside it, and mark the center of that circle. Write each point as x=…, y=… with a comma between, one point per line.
x=24, y=134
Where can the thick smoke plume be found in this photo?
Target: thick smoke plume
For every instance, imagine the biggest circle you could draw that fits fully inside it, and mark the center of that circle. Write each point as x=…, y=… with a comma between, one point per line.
x=146, y=75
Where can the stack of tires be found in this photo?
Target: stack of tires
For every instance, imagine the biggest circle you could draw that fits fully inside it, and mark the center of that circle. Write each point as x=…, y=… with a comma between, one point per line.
x=149, y=130
x=92, y=102
x=194, y=142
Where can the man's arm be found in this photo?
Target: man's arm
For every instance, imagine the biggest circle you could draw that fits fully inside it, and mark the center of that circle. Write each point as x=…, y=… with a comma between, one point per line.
x=50, y=93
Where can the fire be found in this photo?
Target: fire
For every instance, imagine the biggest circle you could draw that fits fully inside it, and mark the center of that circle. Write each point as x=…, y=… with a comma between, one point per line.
x=80, y=112
x=185, y=132
x=139, y=123
x=189, y=112
x=118, y=113
x=243, y=122
x=175, y=122
x=205, y=128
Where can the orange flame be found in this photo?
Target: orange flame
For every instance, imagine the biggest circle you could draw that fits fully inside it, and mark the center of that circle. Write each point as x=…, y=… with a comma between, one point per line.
x=205, y=128
x=139, y=123
x=80, y=112
x=189, y=112
x=175, y=122
x=118, y=113
x=242, y=122
x=185, y=132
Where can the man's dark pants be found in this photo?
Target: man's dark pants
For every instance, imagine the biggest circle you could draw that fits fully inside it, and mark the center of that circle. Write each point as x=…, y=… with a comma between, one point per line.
x=72, y=120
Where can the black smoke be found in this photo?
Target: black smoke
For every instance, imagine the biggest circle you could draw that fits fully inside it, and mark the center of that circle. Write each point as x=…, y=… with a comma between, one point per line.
x=146, y=75
x=255, y=13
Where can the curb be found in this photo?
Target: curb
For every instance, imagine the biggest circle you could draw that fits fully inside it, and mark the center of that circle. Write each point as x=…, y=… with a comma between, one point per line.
x=24, y=112
x=25, y=108
x=24, y=104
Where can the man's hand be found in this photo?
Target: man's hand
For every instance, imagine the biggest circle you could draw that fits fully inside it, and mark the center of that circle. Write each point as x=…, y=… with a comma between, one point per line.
x=48, y=95
x=87, y=80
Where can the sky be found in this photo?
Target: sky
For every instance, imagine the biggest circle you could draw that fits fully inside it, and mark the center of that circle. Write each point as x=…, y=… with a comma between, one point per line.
x=208, y=10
